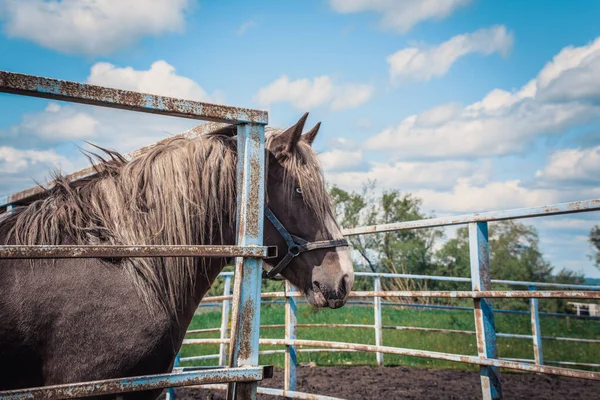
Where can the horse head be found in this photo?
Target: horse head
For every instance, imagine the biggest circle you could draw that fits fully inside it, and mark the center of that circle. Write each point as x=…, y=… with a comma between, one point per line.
x=299, y=208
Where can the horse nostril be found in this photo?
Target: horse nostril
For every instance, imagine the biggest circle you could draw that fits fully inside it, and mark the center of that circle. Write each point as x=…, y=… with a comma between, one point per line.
x=343, y=286
x=317, y=286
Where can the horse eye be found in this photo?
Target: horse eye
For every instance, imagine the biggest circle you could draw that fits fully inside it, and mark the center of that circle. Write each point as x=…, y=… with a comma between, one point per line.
x=298, y=190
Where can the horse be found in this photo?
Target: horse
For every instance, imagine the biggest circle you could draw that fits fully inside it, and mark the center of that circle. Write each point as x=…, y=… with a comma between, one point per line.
x=72, y=320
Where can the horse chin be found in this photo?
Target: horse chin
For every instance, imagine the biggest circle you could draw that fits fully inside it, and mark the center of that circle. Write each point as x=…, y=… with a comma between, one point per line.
x=316, y=299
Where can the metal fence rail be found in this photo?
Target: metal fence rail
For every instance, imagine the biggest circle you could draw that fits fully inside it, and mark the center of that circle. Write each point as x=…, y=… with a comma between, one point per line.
x=482, y=283
x=243, y=369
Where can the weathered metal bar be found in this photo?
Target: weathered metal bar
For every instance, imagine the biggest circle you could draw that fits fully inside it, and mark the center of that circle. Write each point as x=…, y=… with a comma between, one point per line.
x=517, y=294
x=29, y=194
x=412, y=328
x=76, y=92
x=536, y=331
x=493, y=362
x=277, y=392
x=377, y=312
x=484, y=316
x=459, y=279
x=224, y=321
x=577, y=364
x=554, y=209
x=291, y=358
x=248, y=271
x=72, y=251
x=171, y=395
x=141, y=383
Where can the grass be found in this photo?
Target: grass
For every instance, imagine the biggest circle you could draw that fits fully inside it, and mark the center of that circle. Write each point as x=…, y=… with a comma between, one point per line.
x=443, y=342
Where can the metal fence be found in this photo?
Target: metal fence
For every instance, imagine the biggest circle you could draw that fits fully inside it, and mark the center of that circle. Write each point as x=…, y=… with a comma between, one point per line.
x=481, y=283
x=243, y=371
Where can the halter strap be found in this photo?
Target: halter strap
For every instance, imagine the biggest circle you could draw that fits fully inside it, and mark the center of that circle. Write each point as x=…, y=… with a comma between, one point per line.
x=296, y=245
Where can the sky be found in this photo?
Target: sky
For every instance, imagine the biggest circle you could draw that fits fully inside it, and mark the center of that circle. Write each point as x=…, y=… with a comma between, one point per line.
x=470, y=105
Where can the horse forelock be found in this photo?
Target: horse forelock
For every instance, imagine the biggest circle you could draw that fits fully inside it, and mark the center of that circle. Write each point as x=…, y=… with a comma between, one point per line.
x=180, y=192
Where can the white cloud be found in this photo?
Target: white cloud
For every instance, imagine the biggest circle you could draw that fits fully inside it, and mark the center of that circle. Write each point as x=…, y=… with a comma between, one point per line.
x=160, y=79
x=502, y=122
x=426, y=62
x=352, y=96
x=410, y=176
x=305, y=93
x=55, y=124
x=92, y=27
x=400, y=15
x=570, y=167
x=243, y=28
x=22, y=168
x=340, y=160
x=14, y=160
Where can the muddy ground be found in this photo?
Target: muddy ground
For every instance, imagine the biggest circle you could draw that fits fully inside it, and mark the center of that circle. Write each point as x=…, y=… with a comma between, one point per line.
x=417, y=383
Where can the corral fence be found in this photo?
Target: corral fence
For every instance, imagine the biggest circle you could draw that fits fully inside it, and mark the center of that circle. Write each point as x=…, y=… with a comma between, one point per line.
x=481, y=292
x=243, y=372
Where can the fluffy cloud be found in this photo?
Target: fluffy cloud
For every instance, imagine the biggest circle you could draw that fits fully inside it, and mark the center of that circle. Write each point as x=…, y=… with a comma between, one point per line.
x=159, y=79
x=400, y=15
x=22, y=168
x=340, y=160
x=57, y=123
x=305, y=93
x=502, y=122
x=91, y=27
x=572, y=167
x=406, y=176
x=423, y=63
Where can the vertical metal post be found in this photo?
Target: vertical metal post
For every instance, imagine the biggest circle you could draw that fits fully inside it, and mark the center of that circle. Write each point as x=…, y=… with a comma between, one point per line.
x=224, y=322
x=484, y=317
x=171, y=391
x=377, y=310
x=291, y=360
x=536, y=330
x=250, y=214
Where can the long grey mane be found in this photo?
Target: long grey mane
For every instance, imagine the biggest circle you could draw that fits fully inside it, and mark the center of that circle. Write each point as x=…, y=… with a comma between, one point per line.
x=180, y=192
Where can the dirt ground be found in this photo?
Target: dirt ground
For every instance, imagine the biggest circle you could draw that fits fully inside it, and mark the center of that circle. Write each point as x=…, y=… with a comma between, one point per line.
x=417, y=383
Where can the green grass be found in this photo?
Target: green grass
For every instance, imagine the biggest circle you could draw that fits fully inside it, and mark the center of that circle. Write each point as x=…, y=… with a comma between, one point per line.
x=442, y=342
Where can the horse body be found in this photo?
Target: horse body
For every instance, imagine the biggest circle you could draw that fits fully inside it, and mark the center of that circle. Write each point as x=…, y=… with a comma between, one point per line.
x=73, y=320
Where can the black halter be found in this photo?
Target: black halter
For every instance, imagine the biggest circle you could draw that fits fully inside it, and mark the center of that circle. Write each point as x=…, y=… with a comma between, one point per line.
x=296, y=245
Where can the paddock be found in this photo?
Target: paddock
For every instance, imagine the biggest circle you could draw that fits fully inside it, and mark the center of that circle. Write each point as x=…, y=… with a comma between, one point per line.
x=244, y=302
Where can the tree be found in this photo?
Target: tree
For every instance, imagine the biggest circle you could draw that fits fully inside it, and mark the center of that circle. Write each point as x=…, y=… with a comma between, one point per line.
x=595, y=241
x=514, y=255
x=407, y=251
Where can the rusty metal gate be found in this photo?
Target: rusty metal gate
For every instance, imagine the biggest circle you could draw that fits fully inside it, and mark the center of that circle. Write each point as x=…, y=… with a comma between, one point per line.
x=244, y=373
x=481, y=293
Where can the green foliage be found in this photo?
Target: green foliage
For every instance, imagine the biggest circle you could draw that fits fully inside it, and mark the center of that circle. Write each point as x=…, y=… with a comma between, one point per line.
x=514, y=255
x=595, y=241
x=514, y=248
x=407, y=251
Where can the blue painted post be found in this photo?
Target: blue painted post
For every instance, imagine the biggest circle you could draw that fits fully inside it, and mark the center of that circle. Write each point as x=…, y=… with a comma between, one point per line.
x=377, y=310
x=484, y=317
x=248, y=271
x=224, y=322
x=536, y=330
x=291, y=360
x=171, y=391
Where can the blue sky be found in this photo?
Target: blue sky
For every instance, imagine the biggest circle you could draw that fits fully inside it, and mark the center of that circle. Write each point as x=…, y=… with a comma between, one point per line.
x=472, y=105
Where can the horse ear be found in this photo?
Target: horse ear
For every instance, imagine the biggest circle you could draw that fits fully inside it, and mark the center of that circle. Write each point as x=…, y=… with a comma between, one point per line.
x=292, y=135
x=309, y=136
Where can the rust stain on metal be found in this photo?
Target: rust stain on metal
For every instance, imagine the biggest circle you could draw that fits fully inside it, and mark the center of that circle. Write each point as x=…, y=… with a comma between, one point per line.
x=246, y=318
x=69, y=251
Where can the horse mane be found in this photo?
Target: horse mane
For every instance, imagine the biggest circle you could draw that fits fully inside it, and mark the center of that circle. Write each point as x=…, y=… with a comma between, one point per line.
x=180, y=192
